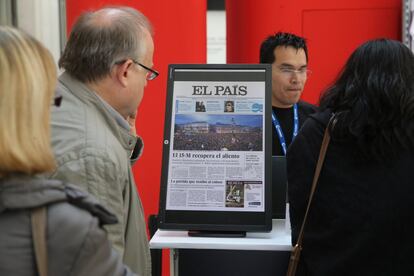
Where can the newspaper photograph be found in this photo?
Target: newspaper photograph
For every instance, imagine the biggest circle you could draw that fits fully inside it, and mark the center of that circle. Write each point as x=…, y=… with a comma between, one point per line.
x=216, y=160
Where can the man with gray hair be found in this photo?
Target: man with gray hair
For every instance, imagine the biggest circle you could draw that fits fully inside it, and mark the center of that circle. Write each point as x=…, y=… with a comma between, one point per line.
x=107, y=63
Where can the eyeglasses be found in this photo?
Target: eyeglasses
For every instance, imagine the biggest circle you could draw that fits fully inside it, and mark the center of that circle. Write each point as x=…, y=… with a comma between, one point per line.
x=290, y=73
x=152, y=74
x=57, y=101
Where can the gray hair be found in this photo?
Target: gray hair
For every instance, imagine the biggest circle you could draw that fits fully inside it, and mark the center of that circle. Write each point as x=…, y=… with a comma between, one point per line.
x=99, y=39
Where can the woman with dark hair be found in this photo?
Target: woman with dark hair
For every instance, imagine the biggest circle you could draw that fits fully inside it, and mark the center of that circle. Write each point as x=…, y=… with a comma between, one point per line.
x=359, y=222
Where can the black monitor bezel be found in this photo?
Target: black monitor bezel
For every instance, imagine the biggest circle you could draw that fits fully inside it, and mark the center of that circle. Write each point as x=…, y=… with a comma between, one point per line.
x=217, y=220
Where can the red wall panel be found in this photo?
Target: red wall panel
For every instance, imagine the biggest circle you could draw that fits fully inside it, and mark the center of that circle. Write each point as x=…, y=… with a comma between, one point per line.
x=179, y=37
x=334, y=35
x=333, y=30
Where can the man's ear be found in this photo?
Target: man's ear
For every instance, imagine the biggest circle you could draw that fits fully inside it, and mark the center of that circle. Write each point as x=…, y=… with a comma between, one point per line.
x=121, y=72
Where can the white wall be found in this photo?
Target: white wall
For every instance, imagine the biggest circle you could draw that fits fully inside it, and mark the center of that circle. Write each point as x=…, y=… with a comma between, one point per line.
x=5, y=12
x=40, y=18
x=216, y=37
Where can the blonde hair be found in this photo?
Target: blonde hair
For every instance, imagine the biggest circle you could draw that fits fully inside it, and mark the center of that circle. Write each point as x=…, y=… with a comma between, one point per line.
x=27, y=84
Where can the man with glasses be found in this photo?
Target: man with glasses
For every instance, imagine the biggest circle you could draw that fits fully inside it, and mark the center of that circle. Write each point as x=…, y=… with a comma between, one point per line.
x=108, y=61
x=288, y=55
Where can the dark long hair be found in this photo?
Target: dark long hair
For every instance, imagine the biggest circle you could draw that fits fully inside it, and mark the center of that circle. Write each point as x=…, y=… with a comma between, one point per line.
x=373, y=98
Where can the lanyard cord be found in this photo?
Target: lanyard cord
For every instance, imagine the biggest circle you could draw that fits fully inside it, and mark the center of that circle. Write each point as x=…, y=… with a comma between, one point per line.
x=279, y=130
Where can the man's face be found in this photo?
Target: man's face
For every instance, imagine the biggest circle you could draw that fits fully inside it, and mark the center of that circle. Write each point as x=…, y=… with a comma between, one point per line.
x=139, y=80
x=229, y=107
x=288, y=76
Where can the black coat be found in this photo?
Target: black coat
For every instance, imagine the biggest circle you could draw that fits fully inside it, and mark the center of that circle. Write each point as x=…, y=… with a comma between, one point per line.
x=360, y=220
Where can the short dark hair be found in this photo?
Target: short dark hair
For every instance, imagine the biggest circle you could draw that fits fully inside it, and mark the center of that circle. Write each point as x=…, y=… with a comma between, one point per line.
x=99, y=39
x=280, y=39
x=373, y=98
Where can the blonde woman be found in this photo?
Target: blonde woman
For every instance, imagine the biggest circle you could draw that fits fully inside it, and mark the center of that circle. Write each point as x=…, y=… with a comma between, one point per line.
x=75, y=241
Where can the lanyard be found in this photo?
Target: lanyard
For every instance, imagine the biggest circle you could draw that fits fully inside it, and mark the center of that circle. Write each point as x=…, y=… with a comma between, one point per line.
x=280, y=131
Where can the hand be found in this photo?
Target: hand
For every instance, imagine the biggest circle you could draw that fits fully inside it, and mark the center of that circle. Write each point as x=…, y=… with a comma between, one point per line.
x=131, y=121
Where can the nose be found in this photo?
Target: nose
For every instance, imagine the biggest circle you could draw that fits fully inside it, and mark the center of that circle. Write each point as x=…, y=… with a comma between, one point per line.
x=295, y=77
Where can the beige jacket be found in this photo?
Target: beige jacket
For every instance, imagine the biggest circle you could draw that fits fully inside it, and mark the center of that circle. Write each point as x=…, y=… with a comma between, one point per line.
x=93, y=150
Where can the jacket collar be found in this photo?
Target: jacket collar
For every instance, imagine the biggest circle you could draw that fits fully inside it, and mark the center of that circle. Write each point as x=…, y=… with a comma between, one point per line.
x=322, y=117
x=21, y=191
x=81, y=91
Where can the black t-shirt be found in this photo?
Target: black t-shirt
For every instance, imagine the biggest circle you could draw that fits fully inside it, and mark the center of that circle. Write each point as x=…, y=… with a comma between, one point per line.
x=285, y=118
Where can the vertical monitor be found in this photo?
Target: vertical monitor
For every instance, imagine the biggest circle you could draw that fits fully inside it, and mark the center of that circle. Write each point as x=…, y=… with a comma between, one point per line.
x=216, y=171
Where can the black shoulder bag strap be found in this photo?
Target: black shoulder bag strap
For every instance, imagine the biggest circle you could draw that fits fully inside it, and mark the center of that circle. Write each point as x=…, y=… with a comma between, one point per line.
x=38, y=218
